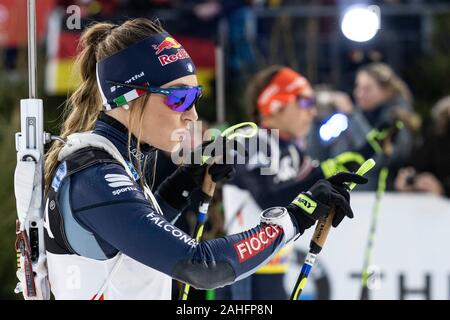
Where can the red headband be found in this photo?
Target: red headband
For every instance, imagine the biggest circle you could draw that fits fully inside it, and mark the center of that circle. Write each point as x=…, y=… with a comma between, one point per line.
x=284, y=87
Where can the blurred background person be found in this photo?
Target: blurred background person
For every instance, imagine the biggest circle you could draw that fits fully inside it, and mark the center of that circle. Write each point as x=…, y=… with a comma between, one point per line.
x=282, y=102
x=381, y=99
x=430, y=170
x=291, y=110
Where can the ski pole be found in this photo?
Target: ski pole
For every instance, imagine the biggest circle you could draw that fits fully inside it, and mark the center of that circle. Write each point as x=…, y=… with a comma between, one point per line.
x=320, y=236
x=208, y=192
x=373, y=226
x=209, y=186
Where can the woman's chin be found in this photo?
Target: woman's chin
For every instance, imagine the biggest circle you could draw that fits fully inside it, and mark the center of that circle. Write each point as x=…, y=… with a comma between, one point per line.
x=302, y=131
x=168, y=146
x=173, y=147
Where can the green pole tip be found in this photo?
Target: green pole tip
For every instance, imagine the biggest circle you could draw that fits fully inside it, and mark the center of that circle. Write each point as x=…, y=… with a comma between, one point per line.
x=365, y=167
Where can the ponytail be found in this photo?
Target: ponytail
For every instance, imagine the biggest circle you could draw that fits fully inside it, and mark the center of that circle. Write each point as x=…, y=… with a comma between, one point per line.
x=98, y=41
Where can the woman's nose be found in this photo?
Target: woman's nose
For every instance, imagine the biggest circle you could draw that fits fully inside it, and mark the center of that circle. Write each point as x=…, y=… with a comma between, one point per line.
x=190, y=114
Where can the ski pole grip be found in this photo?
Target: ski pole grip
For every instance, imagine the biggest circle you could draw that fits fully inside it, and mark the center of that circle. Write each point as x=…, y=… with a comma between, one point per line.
x=208, y=185
x=324, y=225
x=321, y=233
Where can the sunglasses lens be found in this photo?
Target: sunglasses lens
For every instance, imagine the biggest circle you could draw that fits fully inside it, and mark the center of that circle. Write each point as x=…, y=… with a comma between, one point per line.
x=306, y=103
x=182, y=100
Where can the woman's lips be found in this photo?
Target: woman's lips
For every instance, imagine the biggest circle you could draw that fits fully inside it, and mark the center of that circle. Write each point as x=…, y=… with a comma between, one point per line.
x=184, y=139
x=184, y=133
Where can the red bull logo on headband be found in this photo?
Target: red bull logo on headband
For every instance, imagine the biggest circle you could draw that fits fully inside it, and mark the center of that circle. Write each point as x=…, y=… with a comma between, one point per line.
x=166, y=44
x=166, y=59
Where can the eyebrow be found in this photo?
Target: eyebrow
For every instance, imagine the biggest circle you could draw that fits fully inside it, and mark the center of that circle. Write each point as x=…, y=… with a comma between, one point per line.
x=179, y=85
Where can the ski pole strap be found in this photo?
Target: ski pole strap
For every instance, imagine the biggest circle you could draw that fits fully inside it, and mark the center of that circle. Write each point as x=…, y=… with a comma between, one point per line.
x=241, y=130
x=233, y=132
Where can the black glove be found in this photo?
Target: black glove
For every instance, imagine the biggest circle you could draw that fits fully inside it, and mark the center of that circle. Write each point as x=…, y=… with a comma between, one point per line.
x=317, y=202
x=176, y=189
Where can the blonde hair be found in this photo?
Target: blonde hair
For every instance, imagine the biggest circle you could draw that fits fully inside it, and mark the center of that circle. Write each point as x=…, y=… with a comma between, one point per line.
x=98, y=41
x=388, y=79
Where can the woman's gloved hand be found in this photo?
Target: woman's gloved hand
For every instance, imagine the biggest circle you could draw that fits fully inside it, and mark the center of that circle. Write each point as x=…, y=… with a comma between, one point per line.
x=215, y=157
x=325, y=194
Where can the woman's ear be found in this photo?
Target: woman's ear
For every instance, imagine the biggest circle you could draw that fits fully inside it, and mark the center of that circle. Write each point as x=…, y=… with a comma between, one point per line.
x=121, y=114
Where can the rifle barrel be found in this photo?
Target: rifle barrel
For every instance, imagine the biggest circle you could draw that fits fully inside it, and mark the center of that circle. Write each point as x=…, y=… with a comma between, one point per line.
x=32, y=65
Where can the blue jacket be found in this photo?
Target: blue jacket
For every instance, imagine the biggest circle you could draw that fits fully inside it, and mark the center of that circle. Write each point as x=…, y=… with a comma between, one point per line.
x=104, y=212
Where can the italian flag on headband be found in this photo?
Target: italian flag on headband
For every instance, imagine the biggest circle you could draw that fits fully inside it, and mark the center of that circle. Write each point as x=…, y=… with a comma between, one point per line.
x=129, y=96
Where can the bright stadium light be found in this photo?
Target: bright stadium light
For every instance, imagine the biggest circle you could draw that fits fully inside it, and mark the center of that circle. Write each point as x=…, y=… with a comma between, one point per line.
x=333, y=127
x=361, y=23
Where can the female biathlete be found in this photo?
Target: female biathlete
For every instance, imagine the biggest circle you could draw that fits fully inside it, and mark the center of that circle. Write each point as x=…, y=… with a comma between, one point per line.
x=107, y=235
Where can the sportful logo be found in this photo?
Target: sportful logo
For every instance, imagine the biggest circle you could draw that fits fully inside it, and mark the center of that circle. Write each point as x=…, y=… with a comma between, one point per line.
x=251, y=246
x=133, y=78
x=120, y=180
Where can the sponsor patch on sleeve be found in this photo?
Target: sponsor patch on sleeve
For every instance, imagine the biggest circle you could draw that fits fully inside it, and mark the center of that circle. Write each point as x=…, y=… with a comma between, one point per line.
x=258, y=242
